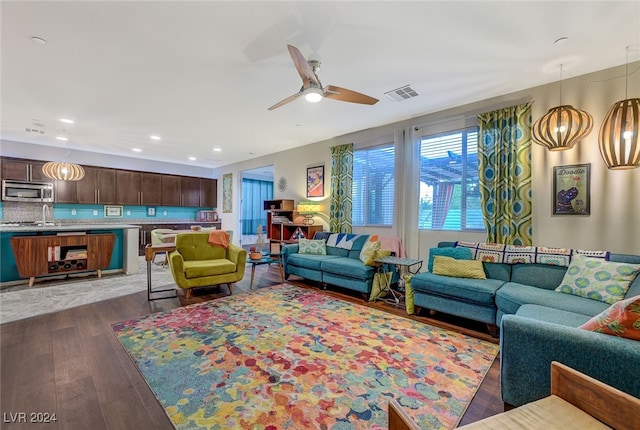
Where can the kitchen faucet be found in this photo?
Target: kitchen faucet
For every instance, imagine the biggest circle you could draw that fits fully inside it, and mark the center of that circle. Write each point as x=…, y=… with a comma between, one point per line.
x=45, y=210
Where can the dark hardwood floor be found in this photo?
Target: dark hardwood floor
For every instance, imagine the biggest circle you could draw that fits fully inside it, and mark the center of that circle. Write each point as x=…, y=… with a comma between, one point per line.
x=70, y=364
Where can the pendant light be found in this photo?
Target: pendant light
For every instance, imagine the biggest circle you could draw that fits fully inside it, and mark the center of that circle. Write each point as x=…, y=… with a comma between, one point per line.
x=618, y=140
x=562, y=126
x=63, y=171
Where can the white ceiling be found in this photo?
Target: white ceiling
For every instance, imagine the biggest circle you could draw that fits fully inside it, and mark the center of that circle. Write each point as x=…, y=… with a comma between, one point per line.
x=202, y=74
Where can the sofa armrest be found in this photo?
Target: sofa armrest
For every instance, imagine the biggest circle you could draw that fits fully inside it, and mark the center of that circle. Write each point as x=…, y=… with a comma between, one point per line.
x=176, y=264
x=528, y=347
x=238, y=256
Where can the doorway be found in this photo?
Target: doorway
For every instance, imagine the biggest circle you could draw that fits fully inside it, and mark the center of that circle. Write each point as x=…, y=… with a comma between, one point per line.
x=257, y=186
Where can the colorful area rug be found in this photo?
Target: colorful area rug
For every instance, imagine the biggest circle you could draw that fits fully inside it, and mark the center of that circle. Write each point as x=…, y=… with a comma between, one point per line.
x=291, y=358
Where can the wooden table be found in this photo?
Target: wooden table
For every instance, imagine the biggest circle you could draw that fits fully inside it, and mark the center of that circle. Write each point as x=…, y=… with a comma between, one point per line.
x=150, y=252
x=273, y=258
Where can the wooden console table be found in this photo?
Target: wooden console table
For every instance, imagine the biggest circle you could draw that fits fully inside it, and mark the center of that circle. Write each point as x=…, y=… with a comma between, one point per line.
x=62, y=254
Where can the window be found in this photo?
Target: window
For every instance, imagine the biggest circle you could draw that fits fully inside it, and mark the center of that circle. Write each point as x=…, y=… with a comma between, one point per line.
x=449, y=191
x=373, y=186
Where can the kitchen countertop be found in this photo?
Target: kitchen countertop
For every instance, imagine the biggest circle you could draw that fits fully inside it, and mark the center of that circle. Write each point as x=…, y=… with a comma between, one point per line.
x=66, y=227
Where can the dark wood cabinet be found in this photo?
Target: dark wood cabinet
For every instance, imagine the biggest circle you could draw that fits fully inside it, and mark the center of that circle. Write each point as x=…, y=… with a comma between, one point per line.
x=171, y=192
x=23, y=170
x=97, y=187
x=150, y=189
x=190, y=189
x=65, y=192
x=208, y=193
x=128, y=187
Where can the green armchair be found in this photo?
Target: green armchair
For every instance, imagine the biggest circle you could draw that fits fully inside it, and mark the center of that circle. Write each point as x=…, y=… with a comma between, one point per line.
x=197, y=263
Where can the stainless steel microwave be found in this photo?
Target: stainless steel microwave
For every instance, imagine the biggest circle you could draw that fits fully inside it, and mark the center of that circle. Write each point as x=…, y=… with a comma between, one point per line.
x=22, y=191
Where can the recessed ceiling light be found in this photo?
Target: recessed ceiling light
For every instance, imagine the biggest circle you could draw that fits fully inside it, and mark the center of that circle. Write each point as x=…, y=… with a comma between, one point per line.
x=217, y=149
x=192, y=158
x=154, y=137
x=62, y=138
x=66, y=120
x=39, y=40
x=136, y=150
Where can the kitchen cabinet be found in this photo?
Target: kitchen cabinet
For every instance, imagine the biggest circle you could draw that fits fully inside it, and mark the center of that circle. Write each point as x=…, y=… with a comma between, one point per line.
x=98, y=186
x=61, y=254
x=208, y=193
x=171, y=191
x=138, y=188
x=65, y=192
x=23, y=170
x=190, y=190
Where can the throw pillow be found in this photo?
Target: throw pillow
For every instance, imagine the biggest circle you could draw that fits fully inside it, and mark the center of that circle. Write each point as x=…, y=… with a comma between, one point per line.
x=457, y=253
x=597, y=279
x=448, y=266
x=369, y=252
x=620, y=319
x=313, y=247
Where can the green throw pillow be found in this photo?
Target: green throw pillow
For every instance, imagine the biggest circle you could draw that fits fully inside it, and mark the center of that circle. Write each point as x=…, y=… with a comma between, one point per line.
x=459, y=253
x=598, y=279
x=313, y=247
x=447, y=266
x=369, y=252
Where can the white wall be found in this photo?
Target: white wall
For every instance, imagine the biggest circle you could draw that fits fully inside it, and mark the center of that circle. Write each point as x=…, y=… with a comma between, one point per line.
x=614, y=222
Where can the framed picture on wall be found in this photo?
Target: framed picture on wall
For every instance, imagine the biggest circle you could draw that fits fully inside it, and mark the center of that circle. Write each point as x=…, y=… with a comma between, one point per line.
x=315, y=181
x=572, y=189
x=113, y=211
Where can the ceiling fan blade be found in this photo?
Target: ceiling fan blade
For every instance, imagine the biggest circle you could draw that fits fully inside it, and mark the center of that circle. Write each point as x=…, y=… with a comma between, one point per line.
x=285, y=101
x=303, y=67
x=345, y=95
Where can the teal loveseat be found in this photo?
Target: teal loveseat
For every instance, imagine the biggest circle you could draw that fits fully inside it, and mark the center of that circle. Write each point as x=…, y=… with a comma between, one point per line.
x=537, y=325
x=341, y=266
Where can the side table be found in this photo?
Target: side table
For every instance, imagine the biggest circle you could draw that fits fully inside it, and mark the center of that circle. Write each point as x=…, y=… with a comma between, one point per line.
x=149, y=254
x=399, y=262
x=272, y=258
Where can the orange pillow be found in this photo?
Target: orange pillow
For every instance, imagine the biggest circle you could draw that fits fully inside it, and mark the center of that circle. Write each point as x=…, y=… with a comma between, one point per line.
x=620, y=319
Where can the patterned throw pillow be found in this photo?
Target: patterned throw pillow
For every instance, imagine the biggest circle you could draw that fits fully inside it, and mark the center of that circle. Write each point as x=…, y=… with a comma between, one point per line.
x=313, y=247
x=597, y=279
x=621, y=319
x=460, y=253
x=369, y=252
x=448, y=266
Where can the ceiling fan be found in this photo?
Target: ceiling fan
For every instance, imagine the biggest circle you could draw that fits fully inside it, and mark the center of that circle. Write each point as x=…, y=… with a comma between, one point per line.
x=312, y=88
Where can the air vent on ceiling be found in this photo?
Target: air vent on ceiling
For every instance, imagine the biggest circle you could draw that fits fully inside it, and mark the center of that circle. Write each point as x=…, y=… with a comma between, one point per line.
x=33, y=130
x=401, y=93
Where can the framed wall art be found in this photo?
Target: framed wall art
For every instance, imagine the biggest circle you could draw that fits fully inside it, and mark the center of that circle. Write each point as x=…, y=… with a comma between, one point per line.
x=315, y=181
x=227, y=193
x=572, y=189
x=113, y=212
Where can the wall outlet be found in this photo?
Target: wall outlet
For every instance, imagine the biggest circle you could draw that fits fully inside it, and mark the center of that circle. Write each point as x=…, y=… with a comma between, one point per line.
x=128, y=213
x=95, y=212
x=164, y=213
x=73, y=212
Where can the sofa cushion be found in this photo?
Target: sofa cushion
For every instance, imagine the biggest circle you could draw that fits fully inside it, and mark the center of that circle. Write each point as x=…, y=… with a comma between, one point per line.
x=308, y=261
x=512, y=295
x=471, y=290
x=597, y=279
x=448, y=266
x=457, y=253
x=349, y=267
x=313, y=247
x=538, y=275
x=202, y=268
x=620, y=319
x=551, y=315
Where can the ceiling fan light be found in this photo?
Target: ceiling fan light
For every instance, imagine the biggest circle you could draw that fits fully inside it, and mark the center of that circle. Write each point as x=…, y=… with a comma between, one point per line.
x=62, y=171
x=313, y=95
x=562, y=127
x=618, y=140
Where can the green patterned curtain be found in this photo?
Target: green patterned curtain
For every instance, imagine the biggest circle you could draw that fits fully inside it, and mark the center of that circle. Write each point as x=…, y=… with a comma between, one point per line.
x=341, y=182
x=504, y=168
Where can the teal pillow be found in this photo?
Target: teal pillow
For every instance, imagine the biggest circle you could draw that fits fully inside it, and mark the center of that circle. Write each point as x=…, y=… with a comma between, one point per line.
x=313, y=247
x=457, y=253
x=598, y=279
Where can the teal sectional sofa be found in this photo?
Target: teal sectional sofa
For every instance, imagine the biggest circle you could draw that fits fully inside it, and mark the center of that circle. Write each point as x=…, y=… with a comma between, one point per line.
x=537, y=325
x=341, y=266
